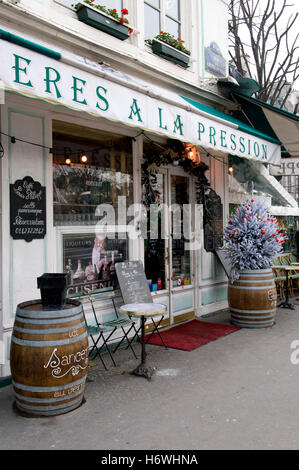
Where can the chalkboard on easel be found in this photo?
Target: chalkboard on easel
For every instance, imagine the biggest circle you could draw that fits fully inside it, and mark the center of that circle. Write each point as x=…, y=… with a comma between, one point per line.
x=225, y=262
x=132, y=282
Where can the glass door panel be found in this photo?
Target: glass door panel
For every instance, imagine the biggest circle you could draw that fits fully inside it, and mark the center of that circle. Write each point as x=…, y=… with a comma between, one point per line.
x=180, y=229
x=155, y=244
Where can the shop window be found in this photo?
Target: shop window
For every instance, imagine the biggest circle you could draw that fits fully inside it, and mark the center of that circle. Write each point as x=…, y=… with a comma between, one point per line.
x=89, y=261
x=91, y=168
x=162, y=15
x=92, y=188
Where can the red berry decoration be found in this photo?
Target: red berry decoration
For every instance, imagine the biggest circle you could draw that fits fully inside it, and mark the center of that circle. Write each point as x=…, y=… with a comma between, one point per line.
x=263, y=232
x=230, y=235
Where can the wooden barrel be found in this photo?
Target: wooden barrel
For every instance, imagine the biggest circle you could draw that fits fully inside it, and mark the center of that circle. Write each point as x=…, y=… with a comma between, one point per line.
x=49, y=358
x=252, y=299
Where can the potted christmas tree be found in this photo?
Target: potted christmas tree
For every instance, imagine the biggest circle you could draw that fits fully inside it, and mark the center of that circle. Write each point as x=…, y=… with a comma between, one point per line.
x=252, y=240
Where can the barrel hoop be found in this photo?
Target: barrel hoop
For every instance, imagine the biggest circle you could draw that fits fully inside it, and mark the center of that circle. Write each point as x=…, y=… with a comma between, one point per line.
x=45, y=344
x=50, y=408
x=253, y=317
x=50, y=320
x=48, y=413
x=67, y=312
x=51, y=331
x=48, y=400
x=28, y=388
x=251, y=311
x=251, y=281
x=45, y=314
x=255, y=271
x=270, y=274
x=256, y=325
x=272, y=286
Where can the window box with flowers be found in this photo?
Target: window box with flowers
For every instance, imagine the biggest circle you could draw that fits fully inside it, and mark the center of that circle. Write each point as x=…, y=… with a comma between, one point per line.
x=105, y=19
x=167, y=46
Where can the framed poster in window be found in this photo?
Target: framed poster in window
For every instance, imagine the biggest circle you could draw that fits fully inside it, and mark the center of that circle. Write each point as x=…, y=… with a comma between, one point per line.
x=89, y=260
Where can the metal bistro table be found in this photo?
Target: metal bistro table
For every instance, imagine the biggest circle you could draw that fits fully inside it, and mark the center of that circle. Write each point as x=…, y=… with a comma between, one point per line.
x=285, y=303
x=143, y=311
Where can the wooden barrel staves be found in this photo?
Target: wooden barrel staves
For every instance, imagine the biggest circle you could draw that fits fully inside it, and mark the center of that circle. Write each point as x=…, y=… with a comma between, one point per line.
x=252, y=299
x=49, y=358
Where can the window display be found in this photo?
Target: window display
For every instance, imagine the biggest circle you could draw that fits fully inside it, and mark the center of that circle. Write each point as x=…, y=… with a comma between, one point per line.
x=92, y=179
x=90, y=168
x=89, y=260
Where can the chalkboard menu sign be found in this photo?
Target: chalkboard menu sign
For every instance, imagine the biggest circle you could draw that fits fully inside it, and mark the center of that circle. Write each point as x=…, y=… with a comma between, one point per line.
x=27, y=210
x=132, y=282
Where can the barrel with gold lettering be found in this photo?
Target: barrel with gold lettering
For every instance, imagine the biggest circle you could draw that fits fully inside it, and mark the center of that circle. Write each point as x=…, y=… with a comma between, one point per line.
x=252, y=299
x=49, y=358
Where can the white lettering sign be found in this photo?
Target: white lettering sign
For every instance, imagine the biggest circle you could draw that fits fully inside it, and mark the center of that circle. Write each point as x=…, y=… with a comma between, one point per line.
x=288, y=167
x=72, y=362
x=84, y=89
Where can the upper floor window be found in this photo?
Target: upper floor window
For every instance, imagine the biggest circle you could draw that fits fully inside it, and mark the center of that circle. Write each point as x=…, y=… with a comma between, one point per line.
x=162, y=15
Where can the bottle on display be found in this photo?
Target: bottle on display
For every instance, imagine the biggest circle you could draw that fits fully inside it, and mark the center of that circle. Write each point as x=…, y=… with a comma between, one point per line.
x=79, y=274
x=159, y=282
x=112, y=268
x=69, y=272
x=89, y=273
x=106, y=271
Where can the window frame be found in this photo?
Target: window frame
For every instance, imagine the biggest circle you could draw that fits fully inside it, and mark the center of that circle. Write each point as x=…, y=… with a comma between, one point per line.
x=163, y=15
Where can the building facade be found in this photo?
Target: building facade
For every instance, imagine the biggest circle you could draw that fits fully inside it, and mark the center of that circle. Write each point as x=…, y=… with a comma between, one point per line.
x=96, y=123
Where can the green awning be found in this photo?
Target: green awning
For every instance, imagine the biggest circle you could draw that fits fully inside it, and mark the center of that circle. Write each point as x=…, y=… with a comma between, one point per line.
x=271, y=120
x=241, y=125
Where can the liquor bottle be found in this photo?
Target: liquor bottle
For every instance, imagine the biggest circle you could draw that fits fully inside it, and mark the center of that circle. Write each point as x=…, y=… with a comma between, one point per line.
x=79, y=274
x=159, y=282
x=112, y=267
x=69, y=272
x=90, y=275
x=106, y=272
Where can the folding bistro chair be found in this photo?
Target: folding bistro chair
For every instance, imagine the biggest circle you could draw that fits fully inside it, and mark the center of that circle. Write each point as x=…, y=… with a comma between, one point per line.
x=118, y=322
x=94, y=330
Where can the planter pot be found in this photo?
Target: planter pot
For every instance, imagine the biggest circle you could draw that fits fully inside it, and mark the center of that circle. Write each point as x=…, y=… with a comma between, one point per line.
x=170, y=53
x=53, y=290
x=104, y=23
x=252, y=299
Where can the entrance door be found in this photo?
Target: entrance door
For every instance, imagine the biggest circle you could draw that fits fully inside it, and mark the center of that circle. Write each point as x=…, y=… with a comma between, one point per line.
x=168, y=261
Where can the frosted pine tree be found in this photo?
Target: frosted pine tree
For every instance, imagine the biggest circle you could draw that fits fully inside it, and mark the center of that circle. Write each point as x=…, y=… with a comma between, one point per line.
x=252, y=238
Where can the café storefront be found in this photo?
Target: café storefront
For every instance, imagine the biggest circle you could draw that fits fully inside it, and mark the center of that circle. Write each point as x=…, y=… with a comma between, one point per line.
x=85, y=134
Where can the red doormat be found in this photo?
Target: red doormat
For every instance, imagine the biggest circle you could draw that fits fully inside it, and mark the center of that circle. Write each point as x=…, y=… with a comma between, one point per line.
x=192, y=335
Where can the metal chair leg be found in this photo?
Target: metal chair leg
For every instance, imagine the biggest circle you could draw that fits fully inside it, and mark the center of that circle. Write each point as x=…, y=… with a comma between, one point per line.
x=156, y=329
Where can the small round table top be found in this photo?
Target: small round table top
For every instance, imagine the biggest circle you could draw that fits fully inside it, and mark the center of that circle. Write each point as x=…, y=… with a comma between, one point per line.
x=143, y=309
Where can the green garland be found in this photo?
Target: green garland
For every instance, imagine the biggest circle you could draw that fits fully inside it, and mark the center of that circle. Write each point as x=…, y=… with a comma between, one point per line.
x=174, y=154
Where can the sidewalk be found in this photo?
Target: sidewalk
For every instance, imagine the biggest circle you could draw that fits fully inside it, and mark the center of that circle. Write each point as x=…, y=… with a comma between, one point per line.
x=238, y=392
